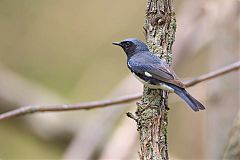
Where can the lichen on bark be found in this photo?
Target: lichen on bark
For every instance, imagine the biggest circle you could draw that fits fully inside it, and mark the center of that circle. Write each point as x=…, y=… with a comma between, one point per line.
x=152, y=111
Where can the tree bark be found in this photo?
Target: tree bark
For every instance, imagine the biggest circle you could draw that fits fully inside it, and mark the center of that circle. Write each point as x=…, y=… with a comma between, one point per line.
x=152, y=111
x=232, y=150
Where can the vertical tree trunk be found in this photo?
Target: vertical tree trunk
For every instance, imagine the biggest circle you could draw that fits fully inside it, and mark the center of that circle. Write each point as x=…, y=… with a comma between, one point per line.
x=232, y=150
x=152, y=111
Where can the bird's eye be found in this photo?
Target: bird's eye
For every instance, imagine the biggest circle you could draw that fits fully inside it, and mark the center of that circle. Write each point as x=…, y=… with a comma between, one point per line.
x=127, y=44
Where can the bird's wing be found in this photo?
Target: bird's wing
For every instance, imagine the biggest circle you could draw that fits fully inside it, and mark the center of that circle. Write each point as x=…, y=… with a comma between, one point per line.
x=156, y=69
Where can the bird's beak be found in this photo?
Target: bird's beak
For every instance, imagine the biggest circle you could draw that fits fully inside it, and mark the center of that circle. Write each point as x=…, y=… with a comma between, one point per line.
x=116, y=43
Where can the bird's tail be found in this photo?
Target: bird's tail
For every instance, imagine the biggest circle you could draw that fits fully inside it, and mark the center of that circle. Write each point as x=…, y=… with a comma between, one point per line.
x=191, y=101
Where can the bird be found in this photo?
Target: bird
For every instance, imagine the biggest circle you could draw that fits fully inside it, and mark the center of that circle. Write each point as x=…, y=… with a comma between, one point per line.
x=155, y=72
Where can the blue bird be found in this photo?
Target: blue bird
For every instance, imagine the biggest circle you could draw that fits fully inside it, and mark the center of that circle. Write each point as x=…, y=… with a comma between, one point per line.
x=154, y=72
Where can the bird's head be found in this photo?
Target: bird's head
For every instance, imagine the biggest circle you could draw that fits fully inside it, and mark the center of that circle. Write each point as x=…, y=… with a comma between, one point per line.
x=132, y=46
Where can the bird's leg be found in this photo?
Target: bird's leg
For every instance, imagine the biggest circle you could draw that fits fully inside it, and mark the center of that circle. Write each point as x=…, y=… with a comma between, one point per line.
x=164, y=97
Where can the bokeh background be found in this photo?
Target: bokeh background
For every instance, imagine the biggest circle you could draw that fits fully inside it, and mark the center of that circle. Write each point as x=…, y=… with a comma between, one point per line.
x=59, y=51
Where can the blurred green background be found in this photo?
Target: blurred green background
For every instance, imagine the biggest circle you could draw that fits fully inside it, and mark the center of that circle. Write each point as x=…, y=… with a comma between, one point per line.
x=58, y=43
x=59, y=51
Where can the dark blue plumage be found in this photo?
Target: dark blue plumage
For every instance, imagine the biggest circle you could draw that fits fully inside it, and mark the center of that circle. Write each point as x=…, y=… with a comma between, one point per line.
x=154, y=72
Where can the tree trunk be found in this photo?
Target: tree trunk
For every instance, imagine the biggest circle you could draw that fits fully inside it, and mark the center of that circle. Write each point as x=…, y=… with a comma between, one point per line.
x=232, y=150
x=152, y=111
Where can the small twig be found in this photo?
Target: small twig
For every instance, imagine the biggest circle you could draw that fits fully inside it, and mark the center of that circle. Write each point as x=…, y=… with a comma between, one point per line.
x=132, y=116
x=69, y=107
x=211, y=75
x=106, y=103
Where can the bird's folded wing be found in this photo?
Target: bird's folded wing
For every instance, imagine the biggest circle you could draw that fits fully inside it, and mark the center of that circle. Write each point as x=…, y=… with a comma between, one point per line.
x=159, y=72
